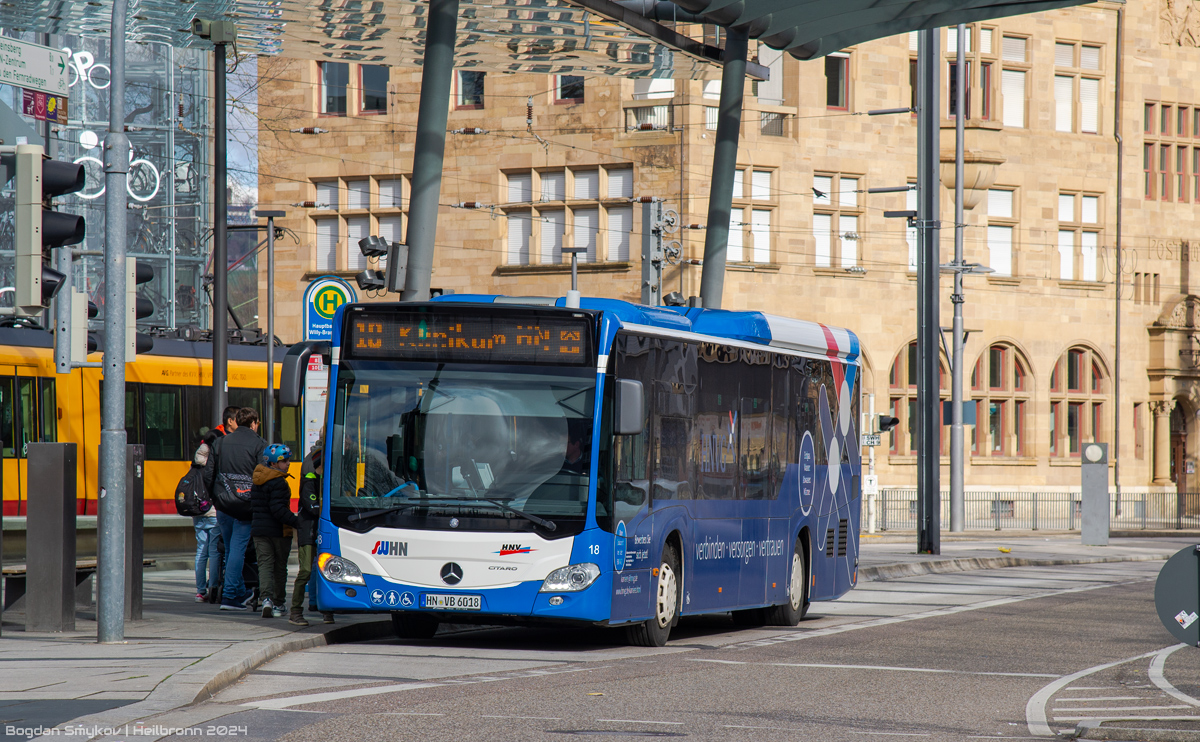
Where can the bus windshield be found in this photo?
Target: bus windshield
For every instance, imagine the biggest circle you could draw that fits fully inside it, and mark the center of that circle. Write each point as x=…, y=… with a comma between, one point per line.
x=456, y=446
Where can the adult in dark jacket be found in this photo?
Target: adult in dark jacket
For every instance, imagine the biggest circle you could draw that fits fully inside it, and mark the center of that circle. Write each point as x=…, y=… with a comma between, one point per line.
x=229, y=474
x=306, y=537
x=271, y=498
x=208, y=534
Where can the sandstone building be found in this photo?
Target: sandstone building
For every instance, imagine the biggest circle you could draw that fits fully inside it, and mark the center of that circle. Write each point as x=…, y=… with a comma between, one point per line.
x=1054, y=100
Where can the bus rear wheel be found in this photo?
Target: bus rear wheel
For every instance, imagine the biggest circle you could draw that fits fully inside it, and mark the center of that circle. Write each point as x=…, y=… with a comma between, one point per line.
x=409, y=625
x=654, y=632
x=792, y=612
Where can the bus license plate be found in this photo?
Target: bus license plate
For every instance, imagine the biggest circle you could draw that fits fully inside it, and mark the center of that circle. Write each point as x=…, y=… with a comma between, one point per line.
x=452, y=602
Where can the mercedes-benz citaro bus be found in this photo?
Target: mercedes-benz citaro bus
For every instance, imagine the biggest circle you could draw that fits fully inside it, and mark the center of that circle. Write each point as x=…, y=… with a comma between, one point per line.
x=509, y=460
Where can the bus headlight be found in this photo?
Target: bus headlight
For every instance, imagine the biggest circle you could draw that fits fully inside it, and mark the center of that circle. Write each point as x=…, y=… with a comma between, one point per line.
x=337, y=569
x=570, y=579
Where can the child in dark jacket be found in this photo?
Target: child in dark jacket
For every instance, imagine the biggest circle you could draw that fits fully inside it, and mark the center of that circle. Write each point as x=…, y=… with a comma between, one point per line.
x=270, y=498
x=306, y=538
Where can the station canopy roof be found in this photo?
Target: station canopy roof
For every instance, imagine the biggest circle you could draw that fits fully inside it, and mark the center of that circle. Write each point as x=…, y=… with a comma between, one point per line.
x=582, y=37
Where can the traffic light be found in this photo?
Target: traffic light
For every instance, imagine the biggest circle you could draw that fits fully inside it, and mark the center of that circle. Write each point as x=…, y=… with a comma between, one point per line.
x=136, y=308
x=38, y=227
x=82, y=341
x=373, y=247
x=887, y=422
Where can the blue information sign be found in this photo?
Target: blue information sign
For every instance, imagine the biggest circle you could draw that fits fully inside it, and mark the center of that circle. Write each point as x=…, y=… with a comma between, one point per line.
x=321, y=300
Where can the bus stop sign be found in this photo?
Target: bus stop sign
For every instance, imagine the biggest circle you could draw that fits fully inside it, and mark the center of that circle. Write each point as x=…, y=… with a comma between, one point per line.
x=1177, y=595
x=321, y=299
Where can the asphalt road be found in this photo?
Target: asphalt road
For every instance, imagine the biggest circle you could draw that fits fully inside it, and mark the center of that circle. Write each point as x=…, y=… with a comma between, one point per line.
x=997, y=654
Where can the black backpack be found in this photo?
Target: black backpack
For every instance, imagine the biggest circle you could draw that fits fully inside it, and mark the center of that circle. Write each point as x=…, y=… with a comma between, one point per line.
x=191, y=496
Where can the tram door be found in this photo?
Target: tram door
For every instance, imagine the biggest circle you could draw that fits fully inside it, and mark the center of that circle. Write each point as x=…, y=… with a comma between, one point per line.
x=27, y=415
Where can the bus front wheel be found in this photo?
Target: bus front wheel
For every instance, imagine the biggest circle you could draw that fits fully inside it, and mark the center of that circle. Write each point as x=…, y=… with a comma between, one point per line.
x=791, y=612
x=409, y=625
x=654, y=632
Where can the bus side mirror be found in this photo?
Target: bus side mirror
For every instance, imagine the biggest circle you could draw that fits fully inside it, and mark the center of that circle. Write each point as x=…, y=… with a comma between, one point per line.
x=295, y=365
x=631, y=416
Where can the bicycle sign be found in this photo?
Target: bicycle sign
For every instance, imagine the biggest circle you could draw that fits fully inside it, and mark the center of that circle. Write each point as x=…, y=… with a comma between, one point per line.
x=33, y=66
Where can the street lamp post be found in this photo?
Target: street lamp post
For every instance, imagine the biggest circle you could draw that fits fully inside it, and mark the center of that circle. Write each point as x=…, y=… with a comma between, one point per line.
x=270, y=406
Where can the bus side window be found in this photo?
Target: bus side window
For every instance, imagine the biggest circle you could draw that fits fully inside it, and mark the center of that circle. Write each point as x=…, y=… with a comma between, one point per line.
x=674, y=390
x=631, y=471
x=164, y=423
x=714, y=432
x=754, y=423
x=783, y=439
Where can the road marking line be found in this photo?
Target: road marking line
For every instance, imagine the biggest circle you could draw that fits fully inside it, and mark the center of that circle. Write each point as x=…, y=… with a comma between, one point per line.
x=746, y=726
x=408, y=713
x=936, y=613
x=1035, y=709
x=911, y=669
x=1125, y=708
x=534, y=718
x=720, y=662
x=639, y=721
x=1156, y=676
x=1103, y=698
x=891, y=734
x=1153, y=717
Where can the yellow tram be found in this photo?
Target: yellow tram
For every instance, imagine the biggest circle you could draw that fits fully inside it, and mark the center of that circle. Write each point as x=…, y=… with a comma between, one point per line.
x=168, y=401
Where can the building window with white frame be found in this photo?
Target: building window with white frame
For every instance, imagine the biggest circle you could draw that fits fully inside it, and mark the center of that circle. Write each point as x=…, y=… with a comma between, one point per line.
x=335, y=78
x=750, y=218
x=837, y=212
x=352, y=213
x=1001, y=229
x=568, y=89
x=1078, y=236
x=837, y=81
x=981, y=57
x=470, y=85
x=1014, y=56
x=1077, y=87
x=372, y=87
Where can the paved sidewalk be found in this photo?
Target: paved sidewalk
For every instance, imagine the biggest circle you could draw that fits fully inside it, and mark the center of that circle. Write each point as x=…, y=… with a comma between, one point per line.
x=184, y=652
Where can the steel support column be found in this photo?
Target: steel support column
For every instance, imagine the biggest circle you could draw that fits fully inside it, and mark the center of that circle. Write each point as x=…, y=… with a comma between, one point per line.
x=928, y=327
x=110, y=584
x=437, y=73
x=720, y=197
x=220, y=297
x=957, y=500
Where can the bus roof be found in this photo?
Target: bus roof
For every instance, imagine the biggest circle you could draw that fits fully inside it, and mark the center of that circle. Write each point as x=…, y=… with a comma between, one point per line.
x=746, y=326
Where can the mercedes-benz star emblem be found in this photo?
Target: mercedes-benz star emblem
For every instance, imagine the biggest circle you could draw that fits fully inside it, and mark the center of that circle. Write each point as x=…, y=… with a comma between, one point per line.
x=454, y=522
x=452, y=574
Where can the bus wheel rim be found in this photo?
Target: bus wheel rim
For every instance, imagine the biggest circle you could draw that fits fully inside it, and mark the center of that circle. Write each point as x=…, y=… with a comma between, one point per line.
x=796, y=593
x=665, y=605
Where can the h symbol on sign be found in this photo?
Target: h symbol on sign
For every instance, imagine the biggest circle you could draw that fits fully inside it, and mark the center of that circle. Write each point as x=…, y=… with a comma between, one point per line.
x=330, y=301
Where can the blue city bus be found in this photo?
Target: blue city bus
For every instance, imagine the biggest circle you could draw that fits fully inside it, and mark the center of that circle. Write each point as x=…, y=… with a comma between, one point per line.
x=519, y=461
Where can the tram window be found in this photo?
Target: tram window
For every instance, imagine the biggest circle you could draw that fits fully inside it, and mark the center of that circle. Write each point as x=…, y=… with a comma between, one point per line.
x=133, y=411
x=287, y=427
x=164, y=423
x=27, y=407
x=252, y=398
x=49, y=409
x=8, y=416
x=714, y=432
x=197, y=403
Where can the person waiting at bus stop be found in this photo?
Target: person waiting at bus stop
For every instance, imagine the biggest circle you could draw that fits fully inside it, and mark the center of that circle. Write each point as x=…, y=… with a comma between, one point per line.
x=306, y=537
x=270, y=498
x=228, y=475
x=208, y=535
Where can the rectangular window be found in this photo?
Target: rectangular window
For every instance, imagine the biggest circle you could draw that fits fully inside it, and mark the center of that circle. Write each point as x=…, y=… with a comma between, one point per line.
x=1089, y=105
x=568, y=88
x=1064, y=55
x=391, y=194
x=519, y=230
x=848, y=192
x=358, y=194
x=912, y=85
x=710, y=117
x=760, y=232
x=1148, y=171
x=357, y=228
x=1090, y=209
x=651, y=88
x=1196, y=172
x=1066, y=207
x=760, y=185
x=1139, y=435
x=837, y=81
x=1064, y=92
x=1019, y=427
x=737, y=183
x=734, y=252
x=163, y=407
x=1164, y=172
x=1012, y=88
x=620, y=229
x=985, y=40
x=1148, y=119
x=1000, y=203
x=390, y=229
x=985, y=88
x=373, y=82
x=1054, y=416
x=848, y=240
x=822, y=190
x=1066, y=255
x=1074, y=372
x=335, y=76
x=996, y=427
x=1164, y=120
x=1089, y=57
x=1181, y=128
x=1097, y=422
x=471, y=87
x=1073, y=428
x=894, y=435
x=995, y=368
x=822, y=229
x=520, y=188
x=1088, y=249
x=912, y=425
x=327, y=244
x=952, y=92
x=1012, y=49
x=1181, y=185
x=587, y=225
x=554, y=186
x=620, y=182
x=553, y=224
x=587, y=184
x=327, y=195
x=952, y=40
x=974, y=428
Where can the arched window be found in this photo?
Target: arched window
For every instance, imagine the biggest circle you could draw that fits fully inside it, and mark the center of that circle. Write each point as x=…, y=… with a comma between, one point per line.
x=1078, y=401
x=1001, y=386
x=902, y=383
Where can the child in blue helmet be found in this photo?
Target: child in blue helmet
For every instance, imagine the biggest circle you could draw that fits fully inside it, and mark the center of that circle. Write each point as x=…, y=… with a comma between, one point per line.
x=270, y=498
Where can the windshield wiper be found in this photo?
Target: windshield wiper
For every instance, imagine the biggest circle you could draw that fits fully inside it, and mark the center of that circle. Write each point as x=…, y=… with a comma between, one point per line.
x=549, y=525
x=381, y=511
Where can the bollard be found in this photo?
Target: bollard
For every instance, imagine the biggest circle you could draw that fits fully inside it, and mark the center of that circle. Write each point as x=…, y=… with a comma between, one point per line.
x=50, y=535
x=1094, y=505
x=135, y=479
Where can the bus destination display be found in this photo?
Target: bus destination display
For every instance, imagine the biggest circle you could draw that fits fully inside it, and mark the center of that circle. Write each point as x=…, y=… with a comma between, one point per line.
x=469, y=338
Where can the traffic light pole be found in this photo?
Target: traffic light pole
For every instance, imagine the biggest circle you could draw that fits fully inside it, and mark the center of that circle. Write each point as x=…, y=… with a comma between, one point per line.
x=929, y=508
x=270, y=409
x=220, y=328
x=110, y=603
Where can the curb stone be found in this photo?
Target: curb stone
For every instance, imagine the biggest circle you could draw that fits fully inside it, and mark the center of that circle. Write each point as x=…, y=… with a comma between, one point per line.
x=205, y=678
x=1093, y=729
x=915, y=569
